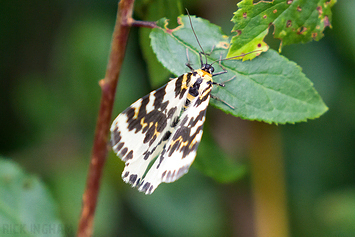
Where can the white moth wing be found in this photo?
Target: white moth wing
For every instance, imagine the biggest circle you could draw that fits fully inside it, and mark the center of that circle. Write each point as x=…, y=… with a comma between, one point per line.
x=180, y=151
x=137, y=134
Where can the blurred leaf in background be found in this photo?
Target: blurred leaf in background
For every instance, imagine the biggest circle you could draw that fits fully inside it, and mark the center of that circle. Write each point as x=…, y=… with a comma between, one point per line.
x=26, y=207
x=152, y=11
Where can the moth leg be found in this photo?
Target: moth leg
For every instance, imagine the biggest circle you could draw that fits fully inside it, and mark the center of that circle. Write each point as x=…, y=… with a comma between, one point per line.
x=223, y=83
x=224, y=102
x=220, y=64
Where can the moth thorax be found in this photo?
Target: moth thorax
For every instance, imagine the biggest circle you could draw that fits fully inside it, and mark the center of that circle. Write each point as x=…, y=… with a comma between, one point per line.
x=193, y=90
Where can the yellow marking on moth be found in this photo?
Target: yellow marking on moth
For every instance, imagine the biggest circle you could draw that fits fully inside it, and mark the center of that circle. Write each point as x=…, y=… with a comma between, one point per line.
x=182, y=144
x=156, y=131
x=151, y=124
x=143, y=123
x=136, y=111
x=190, y=97
x=206, y=76
x=192, y=144
x=184, y=85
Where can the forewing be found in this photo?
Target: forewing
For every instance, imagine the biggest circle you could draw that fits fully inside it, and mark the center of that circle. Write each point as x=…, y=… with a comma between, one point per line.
x=139, y=133
x=180, y=150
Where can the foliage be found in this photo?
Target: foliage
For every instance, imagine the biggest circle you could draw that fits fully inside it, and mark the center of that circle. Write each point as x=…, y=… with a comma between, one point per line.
x=294, y=21
x=269, y=88
x=26, y=208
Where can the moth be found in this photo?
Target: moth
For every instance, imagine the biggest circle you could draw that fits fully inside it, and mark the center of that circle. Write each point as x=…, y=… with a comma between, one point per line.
x=165, y=125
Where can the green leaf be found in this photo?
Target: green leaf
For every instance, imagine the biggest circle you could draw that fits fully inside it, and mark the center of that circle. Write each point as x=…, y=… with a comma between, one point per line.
x=171, y=45
x=269, y=88
x=213, y=162
x=26, y=208
x=157, y=9
x=294, y=21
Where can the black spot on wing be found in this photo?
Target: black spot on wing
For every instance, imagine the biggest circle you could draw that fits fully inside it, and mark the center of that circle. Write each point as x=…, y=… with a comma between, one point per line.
x=181, y=82
x=200, y=99
x=171, y=112
x=132, y=178
x=178, y=85
x=146, y=187
x=166, y=136
x=193, y=121
x=157, y=121
x=187, y=103
x=159, y=96
x=172, y=175
x=147, y=154
x=194, y=89
x=161, y=156
x=183, y=91
x=183, y=135
x=133, y=123
x=183, y=170
x=129, y=112
x=169, y=175
x=175, y=122
x=138, y=182
x=129, y=156
x=184, y=120
x=124, y=151
x=153, y=123
x=119, y=147
x=174, y=147
x=115, y=137
x=188, y=77
x=163, y=174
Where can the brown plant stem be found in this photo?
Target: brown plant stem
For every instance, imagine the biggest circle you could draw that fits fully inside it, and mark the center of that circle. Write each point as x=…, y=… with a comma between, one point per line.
x=147, y=24
x=108, y=86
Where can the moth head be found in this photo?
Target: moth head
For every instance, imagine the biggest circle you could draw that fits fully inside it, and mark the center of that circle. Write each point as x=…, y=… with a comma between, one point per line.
x=208, y=68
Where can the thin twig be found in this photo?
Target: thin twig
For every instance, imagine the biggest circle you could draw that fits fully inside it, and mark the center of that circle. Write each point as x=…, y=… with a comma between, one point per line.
x=147, y=24
x=108, y=87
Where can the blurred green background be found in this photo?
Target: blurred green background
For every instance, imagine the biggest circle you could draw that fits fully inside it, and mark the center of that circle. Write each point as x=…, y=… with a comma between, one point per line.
x=53, y=53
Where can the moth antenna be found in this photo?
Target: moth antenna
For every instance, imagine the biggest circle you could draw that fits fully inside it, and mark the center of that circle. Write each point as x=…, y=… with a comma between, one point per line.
x=241, y=55
x=203, y=52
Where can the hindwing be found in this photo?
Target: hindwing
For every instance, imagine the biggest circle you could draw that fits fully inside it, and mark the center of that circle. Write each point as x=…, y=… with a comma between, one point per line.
x=180, y=150
x=167, y=125
x=140, y=132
